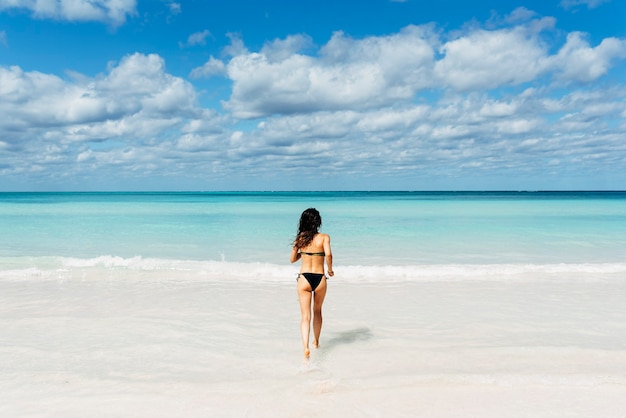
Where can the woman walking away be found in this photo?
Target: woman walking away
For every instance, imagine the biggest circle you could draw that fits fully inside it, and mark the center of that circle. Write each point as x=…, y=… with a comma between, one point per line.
x=313, y=248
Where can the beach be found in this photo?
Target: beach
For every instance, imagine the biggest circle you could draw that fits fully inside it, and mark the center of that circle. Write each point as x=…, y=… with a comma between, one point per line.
x=106, y=331
x=197, y=346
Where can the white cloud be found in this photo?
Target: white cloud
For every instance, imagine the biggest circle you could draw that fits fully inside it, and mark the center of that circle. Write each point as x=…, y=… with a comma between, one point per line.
x=175, y=8
x=478, y=130
x=108, y=11
x=578, y=61
x=375, y=71
x=197, y=38
x=488, y=59
x=135, y=92
x=519, y=15
x=591, y=4
x=142, y=78
x=210, y=68
x=127, y=121
x=281, y=49
x=495, y=108
x=236, y=46
x=457, y=134
x=348, y=73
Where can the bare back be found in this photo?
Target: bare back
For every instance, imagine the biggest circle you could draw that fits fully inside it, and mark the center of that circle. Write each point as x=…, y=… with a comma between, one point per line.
x=314, y=255
x=313, y=262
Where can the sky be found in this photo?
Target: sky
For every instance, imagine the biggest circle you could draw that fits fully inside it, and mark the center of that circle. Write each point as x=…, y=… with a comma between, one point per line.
x=195, y=95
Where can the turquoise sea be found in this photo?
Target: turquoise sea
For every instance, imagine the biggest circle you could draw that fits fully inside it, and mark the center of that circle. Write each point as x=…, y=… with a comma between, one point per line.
x=367, y=228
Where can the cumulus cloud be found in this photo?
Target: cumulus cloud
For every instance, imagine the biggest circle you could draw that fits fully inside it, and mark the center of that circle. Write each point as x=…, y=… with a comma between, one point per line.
x=578, y=61
x=108, y=11
x=348, y=73
x=133, y=108
x=489, y=59
x=137, y=84
x=287, y=76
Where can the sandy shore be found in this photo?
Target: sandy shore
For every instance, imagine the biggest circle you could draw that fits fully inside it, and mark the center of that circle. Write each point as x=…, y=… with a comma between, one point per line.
x=156, y=346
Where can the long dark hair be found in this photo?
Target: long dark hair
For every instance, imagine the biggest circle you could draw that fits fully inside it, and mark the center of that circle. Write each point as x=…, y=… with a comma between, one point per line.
x=310, y=223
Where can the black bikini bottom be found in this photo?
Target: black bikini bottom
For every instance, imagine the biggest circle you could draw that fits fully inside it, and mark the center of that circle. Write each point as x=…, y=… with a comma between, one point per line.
x=314, y=279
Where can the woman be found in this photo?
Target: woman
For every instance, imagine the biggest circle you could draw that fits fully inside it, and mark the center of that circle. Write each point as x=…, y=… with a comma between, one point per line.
x=313, y=248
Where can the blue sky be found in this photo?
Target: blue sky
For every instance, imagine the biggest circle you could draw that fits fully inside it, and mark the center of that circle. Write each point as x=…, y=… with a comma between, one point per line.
x=312, y=95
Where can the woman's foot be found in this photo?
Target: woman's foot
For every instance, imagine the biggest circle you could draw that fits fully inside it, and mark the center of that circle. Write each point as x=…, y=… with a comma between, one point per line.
x=307, y=353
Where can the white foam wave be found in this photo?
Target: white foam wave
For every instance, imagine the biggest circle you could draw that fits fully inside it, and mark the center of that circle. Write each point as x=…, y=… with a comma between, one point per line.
x=67, y=267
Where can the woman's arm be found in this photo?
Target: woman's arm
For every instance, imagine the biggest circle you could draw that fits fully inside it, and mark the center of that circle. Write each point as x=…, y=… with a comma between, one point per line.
x=295, y=254
x=329, y=255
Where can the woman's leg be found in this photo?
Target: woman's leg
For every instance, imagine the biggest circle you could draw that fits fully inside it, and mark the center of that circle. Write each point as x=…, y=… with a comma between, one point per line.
x=304, y=296
x=318, y=300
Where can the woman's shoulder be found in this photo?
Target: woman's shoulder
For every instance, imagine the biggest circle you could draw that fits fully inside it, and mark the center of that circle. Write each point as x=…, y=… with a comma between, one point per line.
x=322, y=237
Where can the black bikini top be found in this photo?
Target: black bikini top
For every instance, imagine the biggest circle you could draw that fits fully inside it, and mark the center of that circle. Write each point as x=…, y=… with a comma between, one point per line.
x=320, y=253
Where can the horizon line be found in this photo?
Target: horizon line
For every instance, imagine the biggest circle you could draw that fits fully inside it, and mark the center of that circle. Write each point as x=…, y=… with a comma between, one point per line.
x=329, y=191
